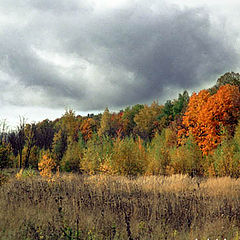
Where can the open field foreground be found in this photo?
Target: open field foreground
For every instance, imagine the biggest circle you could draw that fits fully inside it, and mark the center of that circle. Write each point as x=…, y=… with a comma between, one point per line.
x=107, y=207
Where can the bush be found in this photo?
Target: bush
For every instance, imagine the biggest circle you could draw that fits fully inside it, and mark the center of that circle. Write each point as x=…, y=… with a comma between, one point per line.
x=187, y=159
x=129, y=157
x=46, y=165
x=72, y=157
x=225, y=159
x=158, y=154
x=97, y=154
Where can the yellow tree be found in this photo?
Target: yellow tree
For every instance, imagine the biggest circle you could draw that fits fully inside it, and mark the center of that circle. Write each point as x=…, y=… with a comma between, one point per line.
x=46, y=165
x=105, y=125
x=147, y=120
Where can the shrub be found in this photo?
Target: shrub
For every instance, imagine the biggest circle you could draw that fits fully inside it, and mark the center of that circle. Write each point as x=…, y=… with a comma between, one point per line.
x=187, y=159
x=129, y=156
x=46, y=165
x=226, y=159
x=158, y=152
x=71, y=159
x=97, y=154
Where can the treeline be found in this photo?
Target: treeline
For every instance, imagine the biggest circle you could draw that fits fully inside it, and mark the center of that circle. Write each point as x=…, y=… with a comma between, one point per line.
x=197, y=135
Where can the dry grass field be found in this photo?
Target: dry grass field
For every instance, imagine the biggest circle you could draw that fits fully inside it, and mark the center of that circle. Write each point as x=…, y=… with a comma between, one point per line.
x=111, y=207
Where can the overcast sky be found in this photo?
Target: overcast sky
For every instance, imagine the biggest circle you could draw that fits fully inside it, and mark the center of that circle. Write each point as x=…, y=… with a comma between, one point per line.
x=90, y=54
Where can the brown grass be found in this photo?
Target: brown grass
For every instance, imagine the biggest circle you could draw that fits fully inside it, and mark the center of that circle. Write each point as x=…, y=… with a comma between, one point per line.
x=112, y=207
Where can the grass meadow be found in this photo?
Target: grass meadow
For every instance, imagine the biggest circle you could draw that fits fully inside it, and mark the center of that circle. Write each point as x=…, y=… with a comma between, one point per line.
x=72, y=206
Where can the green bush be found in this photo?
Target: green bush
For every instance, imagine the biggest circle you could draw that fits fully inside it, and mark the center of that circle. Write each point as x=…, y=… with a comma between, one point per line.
x=98, y=151
x=72, y=157
x=225, y=160
x=129, y=157
x=158, y=155
x=187, y=159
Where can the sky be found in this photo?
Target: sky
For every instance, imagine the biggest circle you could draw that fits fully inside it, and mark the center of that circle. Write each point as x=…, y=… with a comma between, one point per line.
x=89, y=55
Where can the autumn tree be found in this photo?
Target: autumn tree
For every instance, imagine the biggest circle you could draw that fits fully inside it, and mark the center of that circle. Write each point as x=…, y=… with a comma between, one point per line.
x=70, y=124
x=46, y=165
x=129, y=157
x=190, y=122
x=116, y=125
x=88, y=128
x=30, y=141
x=128, y=123
x=208, y=115
x=105, y=125
x=147, y=120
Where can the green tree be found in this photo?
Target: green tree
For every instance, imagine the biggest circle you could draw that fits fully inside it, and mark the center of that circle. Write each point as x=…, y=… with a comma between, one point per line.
x=180, y=105
x=97, y=153
x=91, y=158
x=128, y=122
x=59, y=145
x=72, y=157
x=227, y=78
x=225, y=160
x=158, y=152
x=174, y=109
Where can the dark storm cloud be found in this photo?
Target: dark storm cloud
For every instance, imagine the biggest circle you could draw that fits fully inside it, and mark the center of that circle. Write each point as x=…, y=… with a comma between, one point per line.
x=130, y=54
x=21, y=63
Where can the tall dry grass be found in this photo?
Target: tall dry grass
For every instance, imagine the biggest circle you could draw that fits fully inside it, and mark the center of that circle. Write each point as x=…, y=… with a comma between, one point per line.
x=107, y=207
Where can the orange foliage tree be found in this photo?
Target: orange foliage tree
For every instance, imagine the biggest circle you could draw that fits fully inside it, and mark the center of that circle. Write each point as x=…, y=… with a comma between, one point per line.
x=207, y=115
x=46, y=165
x=87, y=128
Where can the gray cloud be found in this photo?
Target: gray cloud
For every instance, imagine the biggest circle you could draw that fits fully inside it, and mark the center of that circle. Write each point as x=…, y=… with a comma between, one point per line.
x=60, y=53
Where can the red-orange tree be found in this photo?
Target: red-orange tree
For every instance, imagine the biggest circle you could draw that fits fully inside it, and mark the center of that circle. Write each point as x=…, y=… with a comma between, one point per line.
x=207, y=115
x=190, y=121
x=87, y=128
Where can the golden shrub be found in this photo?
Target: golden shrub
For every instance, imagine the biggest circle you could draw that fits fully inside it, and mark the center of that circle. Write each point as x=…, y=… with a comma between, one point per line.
x=46, y=165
